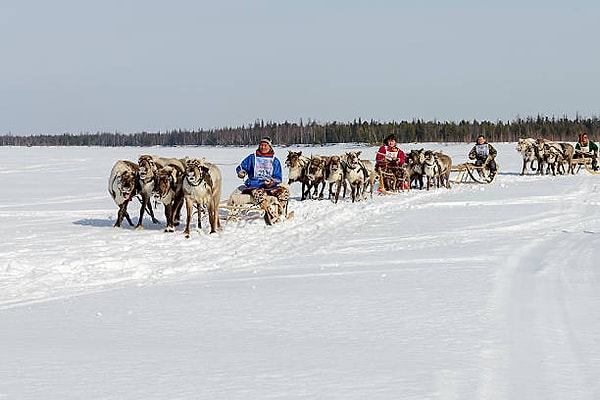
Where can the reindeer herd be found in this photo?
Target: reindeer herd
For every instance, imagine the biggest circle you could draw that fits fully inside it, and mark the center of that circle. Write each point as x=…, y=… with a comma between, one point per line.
x=338, y=172
x=197, y=183
x=550, y=157
x=170, y=181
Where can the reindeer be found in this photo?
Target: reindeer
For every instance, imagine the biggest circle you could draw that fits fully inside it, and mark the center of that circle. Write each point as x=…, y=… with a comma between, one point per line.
x=568, y=154
x=168, y=189
x=315, y=177
x=371, y=177
x=122, y=186
x=147, y=170
x=444, y=162
x=334, y=175
x=529, y=152
x=415, y=160
x=554, y=154
x=297, y=163
x=431, y=169
x=359, y=174
x=202, y=186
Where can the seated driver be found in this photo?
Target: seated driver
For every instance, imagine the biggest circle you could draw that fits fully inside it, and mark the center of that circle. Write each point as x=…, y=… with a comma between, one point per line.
x=262, y=169
x=484, y=154
x=389, y=155
x=585, y=148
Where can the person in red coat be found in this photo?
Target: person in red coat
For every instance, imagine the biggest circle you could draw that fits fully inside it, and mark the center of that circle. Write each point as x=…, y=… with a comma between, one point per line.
x=389, y=155
x=388, y=162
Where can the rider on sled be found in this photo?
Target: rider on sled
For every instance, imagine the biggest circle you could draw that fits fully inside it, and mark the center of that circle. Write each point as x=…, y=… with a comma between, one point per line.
x=263, y=170
x=390, y=160
x=585, y=148
x=484, y=154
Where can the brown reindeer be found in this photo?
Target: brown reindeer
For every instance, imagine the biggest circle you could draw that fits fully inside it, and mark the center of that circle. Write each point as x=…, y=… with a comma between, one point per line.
x=334, y=175
x=315, y=177
x=444, y=164
x=168, y=189
x=415, y=160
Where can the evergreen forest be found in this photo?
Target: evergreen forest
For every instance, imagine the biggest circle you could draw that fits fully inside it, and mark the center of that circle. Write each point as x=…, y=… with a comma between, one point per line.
x=314, y=133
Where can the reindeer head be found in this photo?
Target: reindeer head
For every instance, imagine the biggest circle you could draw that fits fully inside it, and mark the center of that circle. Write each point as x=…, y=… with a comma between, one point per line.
x=292, y=158
x=416, y=156
x=524, y=145
x=429, y=157
x=315, y=168
x=147, y=167
x=539, y=143
x=197, y=172
x=127, y=184
x=352, y=159
x=333, y=164
x=165, y=183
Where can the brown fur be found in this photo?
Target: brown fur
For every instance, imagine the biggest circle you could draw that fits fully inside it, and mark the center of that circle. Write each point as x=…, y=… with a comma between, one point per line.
x=168, y=189
x=147, y=172
x=415, y=160
x=445, y=164
x=315, y=177
x=334, y=175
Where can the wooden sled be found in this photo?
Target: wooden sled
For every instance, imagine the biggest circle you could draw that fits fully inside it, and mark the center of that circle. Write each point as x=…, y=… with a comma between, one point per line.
x=390, y=182
x=268, y=209
x=584, y=162
x=471, y=173
x=236, y=213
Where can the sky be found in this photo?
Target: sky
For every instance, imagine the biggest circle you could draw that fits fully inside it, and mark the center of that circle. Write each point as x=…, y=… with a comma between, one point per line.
x=473, y=292
x=131, y=66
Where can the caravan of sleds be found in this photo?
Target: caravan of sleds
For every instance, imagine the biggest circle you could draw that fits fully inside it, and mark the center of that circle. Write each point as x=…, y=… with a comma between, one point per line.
x=196, y=183
x=554, y=157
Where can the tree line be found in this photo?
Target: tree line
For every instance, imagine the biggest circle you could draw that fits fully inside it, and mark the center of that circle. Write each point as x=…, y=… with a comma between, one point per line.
x=312, y=132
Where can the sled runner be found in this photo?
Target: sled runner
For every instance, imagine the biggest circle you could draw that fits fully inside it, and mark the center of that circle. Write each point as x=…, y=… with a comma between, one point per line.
x=469, y=173
x=585, y=162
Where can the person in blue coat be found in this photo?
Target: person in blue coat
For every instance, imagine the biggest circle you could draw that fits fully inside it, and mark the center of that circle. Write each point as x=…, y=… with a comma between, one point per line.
x=261, y=169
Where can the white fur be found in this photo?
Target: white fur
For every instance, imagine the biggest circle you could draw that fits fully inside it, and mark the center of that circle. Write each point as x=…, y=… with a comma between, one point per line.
x=201, y=193
x=527, y=149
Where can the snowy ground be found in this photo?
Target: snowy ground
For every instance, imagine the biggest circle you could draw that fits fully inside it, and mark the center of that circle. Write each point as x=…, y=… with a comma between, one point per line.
x=478, y=292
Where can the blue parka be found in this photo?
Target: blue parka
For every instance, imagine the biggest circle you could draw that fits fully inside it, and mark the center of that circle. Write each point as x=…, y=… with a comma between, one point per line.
x=252, y=181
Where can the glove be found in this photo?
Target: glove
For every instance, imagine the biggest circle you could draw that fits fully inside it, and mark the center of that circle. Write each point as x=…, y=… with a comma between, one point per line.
x=268, y=182
x=388, y=157
x=242, y=174
x=488, y=159
x=472, y=156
